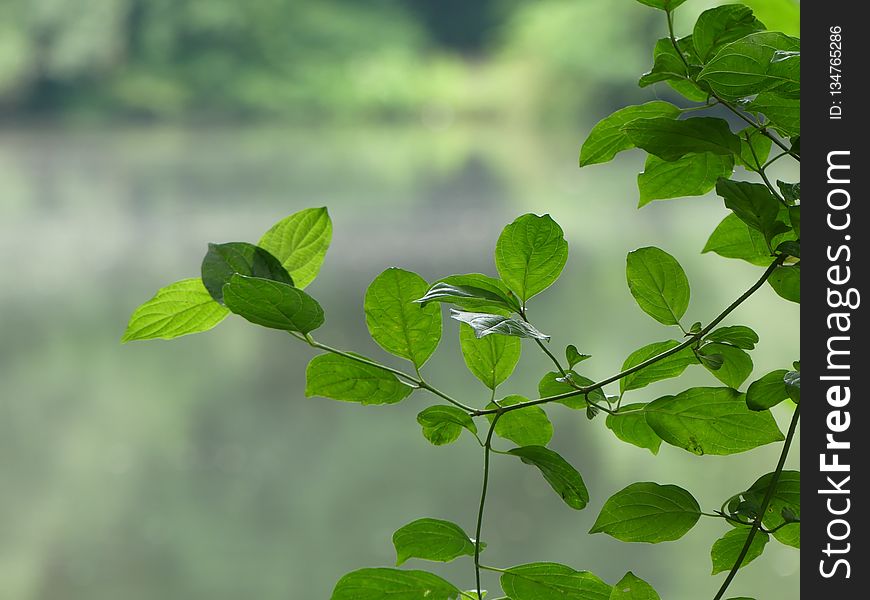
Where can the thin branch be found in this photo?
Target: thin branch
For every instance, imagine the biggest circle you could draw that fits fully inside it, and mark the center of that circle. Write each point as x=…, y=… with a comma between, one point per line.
x=487, y=447
x=768, y=495
x=583, y=390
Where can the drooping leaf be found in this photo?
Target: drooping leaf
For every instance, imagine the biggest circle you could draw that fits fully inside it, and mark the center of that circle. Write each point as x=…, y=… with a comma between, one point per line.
x=629, y=424
x=553, y=384
x=707, y=420
x=784, y=113
x=648, y=512
x=574, y=356
x=733, y=238
x=530, y=254
x=670, y=139
x=764, y=61
x=272, y=304
x=691, y=175
x=443, y=424
x=737, y=335
x=492, y=358
x=736, y=363
x=794, y=216
x=485, y=324
x=768, y=391
x=222, y=261
x=728, y=547
x=787, y=495
x=562, y=477
x=341, y=378
x=396, y=322
x=178, y=309
x=792, y=381
x=658, y=284
x=546, y=581
x=431, y=539
x=786, y=281
x=754, y=205
x=632, y=587
x=300, y=242
x=607, y=139
x=395, y=584
x=722, y=25
x=472, y=291
x=525, y=426
x=671, y=366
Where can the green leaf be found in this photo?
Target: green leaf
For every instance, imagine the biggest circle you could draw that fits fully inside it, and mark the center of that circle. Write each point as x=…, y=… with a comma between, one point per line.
x=754, y=205
x=395, y=584
x=754, y=149
x=768, y=391
x=222, y=261
x=671, y=366
x=648, y=512
x=707, y=420
x=431, y=539
x=472, y=291
x=689, y=90
x=784, y=113
x=398, y=324
x=525, y=426
x=786, y=495
x=629, y=424
x=722, y=25
x=733, y=238
x=632, y=587
x=736, y=335
x=759, y=62
x=669, y=66
x=658, y=284
x=786, y=281
x=691, y=175
x=341, y=378
x=574, y=356
x=736, y=363
x=553, y=384
x=670, y=139
x=792, y=381
x=607, y=139
x=272, y=304
x=794, y=217
x=300, y=242
x=443, y=424
x=485, y=324
x=727, y=549
x=491, y=359
x=546, y=581
x=667, y=5
x=562, y=477
x=530, y=254
x=178, y=309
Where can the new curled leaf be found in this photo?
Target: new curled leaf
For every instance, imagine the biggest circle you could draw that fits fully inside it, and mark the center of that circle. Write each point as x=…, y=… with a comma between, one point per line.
x=485, y=324
x=473, y=291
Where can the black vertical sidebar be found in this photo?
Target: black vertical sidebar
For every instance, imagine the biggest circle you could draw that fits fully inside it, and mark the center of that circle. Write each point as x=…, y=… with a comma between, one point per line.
x=835, y=421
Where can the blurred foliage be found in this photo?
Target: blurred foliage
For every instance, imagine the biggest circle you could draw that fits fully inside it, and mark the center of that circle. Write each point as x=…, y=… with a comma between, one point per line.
x=324, y=59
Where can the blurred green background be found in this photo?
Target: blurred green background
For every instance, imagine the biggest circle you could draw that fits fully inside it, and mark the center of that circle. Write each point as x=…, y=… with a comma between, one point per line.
x=133, y=132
